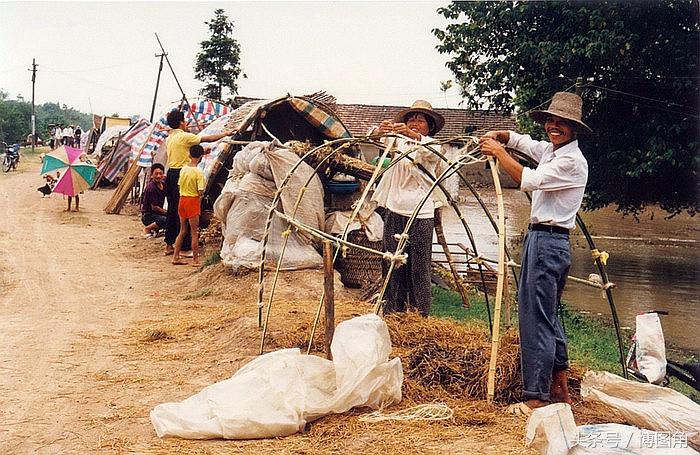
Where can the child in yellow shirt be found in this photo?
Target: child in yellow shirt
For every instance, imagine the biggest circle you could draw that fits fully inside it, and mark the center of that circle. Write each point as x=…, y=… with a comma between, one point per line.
x=191, y=185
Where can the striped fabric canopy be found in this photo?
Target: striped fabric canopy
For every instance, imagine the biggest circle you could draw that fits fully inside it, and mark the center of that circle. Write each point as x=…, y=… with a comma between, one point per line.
x=327, y=124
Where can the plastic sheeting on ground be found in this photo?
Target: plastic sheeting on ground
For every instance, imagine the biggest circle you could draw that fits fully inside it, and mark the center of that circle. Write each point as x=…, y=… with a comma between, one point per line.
x=645, y=405
x=276, y=394
x=551, y=430
x=258, y=170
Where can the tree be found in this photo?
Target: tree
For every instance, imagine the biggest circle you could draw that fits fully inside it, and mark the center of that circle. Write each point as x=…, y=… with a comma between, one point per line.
x=218, y=63
x=444, y=87
x=639, y=64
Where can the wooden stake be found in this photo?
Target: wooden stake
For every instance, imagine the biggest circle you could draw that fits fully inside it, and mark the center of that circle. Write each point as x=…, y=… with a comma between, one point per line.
x=491, y=385
x=328, y=299
x=114, y=205
x=440, y=234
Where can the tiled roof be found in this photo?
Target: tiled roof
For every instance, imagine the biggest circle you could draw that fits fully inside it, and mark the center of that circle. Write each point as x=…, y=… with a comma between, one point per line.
x=359, y=118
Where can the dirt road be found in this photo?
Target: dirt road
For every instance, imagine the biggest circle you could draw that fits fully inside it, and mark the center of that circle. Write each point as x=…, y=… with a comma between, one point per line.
x=65, y=280
x=97, y=328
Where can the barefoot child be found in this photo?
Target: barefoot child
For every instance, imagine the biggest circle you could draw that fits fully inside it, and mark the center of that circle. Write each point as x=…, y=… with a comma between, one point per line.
x=191, y=185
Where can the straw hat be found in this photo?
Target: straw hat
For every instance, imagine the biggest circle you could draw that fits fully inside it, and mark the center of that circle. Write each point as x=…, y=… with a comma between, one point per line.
x=565, y=105
x=423, y=107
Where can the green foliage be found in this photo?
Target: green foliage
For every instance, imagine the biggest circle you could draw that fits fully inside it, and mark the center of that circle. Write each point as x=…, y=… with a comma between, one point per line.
x=15, y=118
x=644, y=147
x=218, y=63
x=212, y=259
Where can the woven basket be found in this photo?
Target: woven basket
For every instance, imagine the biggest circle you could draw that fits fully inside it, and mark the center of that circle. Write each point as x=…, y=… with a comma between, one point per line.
x=359, y=269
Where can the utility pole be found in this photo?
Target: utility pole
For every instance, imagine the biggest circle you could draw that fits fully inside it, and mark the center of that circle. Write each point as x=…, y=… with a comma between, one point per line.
x=160, y=69
x=33, y=70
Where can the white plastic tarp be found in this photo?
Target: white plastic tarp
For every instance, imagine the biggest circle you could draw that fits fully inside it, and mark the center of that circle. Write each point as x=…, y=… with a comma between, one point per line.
x=276, y=394
x=366, y=219
x=110, y=133
x=645, y=405
x=257, y=172
x=551, y=430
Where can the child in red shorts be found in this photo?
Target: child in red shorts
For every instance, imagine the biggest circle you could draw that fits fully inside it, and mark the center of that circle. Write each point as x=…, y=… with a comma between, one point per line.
x=191, y=184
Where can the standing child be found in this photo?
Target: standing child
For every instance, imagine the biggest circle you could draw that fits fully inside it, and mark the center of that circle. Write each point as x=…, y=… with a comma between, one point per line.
x=191, y=185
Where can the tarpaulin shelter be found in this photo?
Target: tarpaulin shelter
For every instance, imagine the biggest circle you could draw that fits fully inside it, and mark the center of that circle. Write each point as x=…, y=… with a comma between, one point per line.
x=144, y=144
x=242, y=181
x=300, y=118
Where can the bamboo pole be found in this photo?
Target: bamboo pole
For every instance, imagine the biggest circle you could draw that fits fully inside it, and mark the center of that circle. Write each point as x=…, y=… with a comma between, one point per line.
x=328, y=299
x=491, y=384
x=440, y=234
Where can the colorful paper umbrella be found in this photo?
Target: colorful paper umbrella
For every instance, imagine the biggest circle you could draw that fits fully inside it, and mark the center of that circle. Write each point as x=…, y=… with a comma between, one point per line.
x=77, y=177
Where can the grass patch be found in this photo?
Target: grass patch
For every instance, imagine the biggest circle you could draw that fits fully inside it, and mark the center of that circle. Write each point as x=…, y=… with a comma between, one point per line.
x=212, y=259
x=198, y=294
x=592, y=343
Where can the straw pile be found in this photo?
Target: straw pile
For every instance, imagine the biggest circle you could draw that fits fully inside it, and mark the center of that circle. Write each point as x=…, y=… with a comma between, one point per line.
x=441, y=358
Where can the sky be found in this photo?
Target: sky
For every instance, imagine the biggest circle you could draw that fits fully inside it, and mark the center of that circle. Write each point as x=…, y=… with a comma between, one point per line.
x=100, y=57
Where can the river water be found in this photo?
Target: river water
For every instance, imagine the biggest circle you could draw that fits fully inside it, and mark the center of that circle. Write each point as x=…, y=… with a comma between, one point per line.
x=654, y=262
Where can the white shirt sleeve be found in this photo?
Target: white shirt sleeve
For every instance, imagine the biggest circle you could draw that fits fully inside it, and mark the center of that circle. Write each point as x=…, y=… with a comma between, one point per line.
x=524, y=143
x=560, y=173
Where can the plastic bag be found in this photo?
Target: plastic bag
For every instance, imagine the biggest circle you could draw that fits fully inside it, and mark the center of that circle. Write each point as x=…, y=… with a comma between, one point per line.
x=276, y=394
x=258, y=170
x=373, y=224
x=645, y=405
x=551, y=430
x=650, y=348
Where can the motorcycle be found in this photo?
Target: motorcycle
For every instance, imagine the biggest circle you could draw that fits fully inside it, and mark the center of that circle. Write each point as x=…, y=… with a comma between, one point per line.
x=11, y=158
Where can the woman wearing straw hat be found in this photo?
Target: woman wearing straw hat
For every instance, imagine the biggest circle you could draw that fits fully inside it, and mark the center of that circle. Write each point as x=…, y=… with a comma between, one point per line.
x=557, y=186
x=399, y=191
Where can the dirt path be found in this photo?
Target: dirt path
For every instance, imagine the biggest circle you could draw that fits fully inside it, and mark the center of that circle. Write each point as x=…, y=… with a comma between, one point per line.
x=96, y=328
x=65, y=279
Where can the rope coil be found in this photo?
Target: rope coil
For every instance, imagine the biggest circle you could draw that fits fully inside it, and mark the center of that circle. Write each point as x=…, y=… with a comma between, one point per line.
x=430, y=411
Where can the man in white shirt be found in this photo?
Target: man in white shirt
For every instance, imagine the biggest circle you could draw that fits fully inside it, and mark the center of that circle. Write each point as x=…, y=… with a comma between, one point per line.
x=557, y=186
x=68, y=136
x=400, y=190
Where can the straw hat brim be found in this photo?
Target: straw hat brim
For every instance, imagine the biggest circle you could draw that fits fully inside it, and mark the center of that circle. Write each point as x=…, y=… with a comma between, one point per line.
x=541, y=116
x=437, y=117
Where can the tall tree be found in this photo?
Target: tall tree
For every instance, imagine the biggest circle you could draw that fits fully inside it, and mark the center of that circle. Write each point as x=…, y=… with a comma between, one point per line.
x=218, y=63
x=639, y=64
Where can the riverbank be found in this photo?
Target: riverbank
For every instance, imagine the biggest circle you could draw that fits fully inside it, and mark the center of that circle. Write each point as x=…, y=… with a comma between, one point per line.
x=592, y=340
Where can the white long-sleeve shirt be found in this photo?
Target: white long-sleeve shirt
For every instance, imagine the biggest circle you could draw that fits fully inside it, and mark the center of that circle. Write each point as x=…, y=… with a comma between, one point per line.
x=558, y=182
x=404, y=185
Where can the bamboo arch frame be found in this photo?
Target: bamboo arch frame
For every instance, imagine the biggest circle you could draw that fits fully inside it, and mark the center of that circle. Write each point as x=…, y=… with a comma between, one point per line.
x=342, y=244
x=344, y=143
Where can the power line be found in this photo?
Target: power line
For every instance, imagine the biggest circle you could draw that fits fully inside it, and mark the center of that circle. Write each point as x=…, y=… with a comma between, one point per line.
x=668, y=103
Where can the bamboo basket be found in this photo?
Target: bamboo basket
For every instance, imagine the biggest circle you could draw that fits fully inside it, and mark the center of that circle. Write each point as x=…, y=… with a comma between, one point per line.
x=359, y=269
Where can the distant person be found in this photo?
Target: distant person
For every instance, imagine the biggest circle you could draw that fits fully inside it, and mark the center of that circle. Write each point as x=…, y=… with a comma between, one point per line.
x=153, y=215
x=58, y=136
x=77, y=132
x=177, y=146
x=557, y=185
x=67, y=134
x=83, y=158
x=191, y=183
x=52, y=138
x=399, y=191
